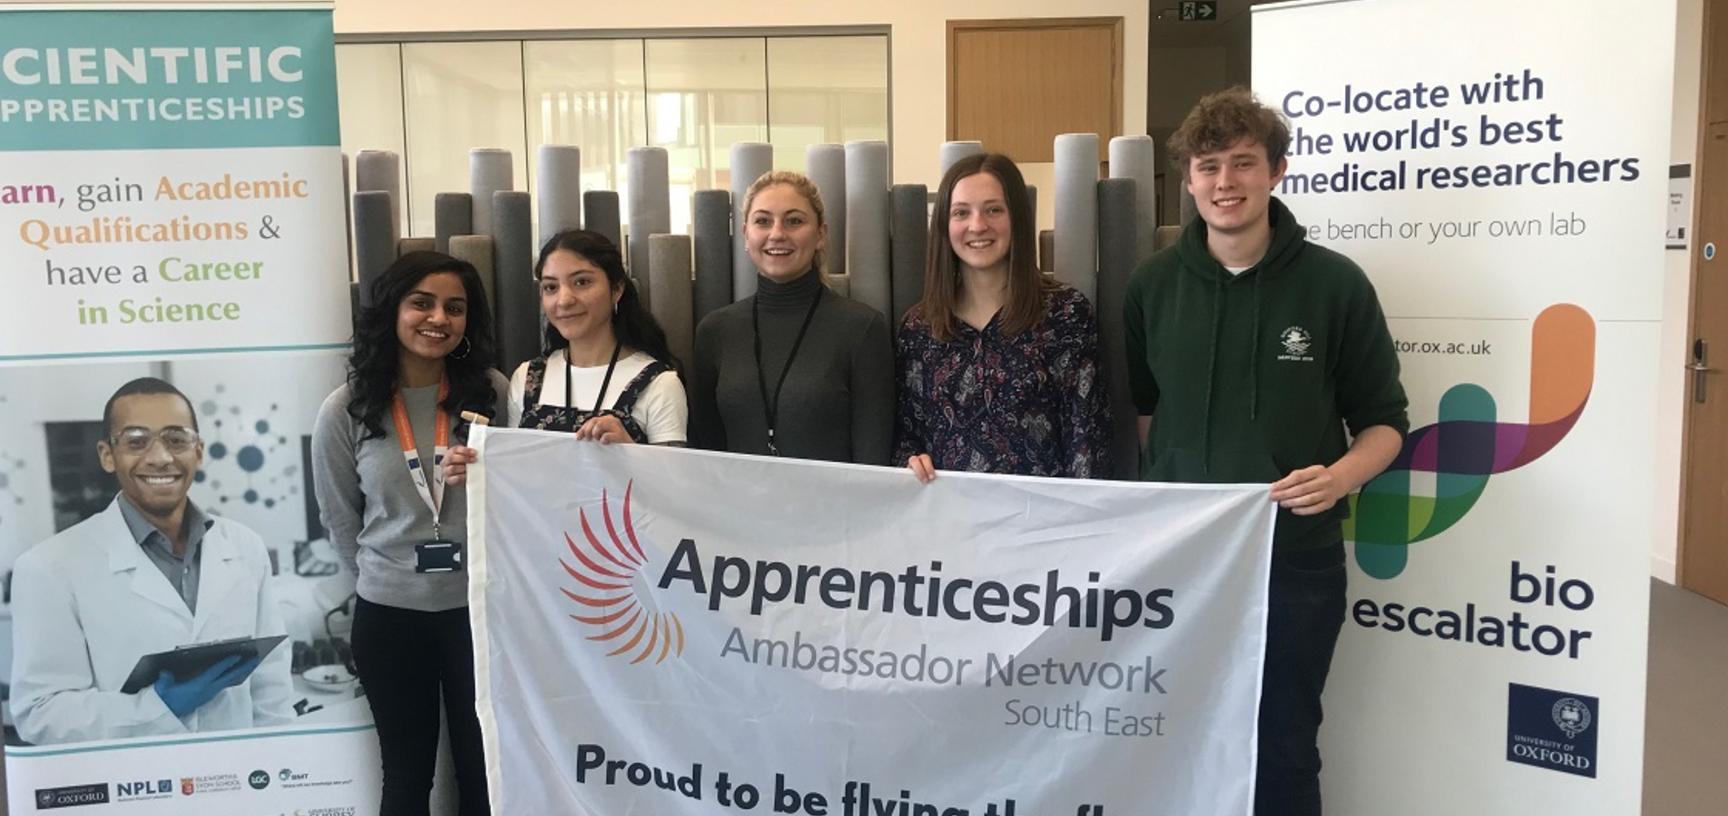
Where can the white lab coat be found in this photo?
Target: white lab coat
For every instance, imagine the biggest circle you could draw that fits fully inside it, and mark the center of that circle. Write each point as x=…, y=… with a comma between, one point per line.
x=88, y=603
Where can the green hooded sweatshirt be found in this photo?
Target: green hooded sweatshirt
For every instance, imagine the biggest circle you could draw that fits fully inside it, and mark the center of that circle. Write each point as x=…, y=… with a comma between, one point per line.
x=1248, y=377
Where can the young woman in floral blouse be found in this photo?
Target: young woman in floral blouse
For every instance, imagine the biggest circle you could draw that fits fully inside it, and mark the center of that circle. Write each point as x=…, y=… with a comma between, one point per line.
x=997, y=364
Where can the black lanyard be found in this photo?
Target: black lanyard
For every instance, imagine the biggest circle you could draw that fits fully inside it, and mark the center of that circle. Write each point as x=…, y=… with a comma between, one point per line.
x=606, y=381
x=771, y=407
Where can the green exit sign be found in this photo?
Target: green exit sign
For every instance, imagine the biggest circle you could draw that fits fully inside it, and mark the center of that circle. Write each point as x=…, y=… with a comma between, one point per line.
x=1201, y=10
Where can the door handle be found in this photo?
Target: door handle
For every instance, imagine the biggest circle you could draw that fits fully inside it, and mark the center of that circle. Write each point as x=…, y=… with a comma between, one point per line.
x=1700, y=349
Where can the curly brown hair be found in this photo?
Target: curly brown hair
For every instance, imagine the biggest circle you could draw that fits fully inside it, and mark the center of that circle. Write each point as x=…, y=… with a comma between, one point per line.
x=1222, y=119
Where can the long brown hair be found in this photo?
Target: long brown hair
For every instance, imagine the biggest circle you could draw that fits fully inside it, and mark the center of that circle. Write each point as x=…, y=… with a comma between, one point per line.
x=1026, y=285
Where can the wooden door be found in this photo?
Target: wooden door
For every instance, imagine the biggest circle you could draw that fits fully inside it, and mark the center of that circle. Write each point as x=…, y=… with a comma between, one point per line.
x=1016, y=84
x=1704, y=470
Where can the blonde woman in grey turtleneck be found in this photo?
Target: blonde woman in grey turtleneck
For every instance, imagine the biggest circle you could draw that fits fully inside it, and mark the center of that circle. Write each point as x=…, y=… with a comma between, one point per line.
x=794, y=370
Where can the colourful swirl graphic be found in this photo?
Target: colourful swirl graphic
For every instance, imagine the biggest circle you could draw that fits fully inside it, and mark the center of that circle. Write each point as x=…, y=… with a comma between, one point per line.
x=1467, y=446
x=610, y=595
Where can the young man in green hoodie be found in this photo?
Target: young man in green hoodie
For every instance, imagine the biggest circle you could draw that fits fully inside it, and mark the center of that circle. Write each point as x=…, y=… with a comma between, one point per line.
x=1251, y=352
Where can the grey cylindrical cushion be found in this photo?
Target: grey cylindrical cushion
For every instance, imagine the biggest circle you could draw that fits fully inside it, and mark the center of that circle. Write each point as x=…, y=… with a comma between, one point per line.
x=711, y=225
x=827, y=167
x=1118, y=251
x=452, y=214
x=374, y=239
x=951, y=152
x=489, y=171
x=867, y=224
x=381, y=170
x=749, y=161
x=477, y=250
x=910, y=233
x=407, y=245
x=674, y=307
x=1077, y=211
x=650, y=210
x=1166, y=236
x=600, y=214
x=1046, y=251
x=558, y=185
x=1132, y=157
x=1032, y=205
x=518, y=305
x=348, y=224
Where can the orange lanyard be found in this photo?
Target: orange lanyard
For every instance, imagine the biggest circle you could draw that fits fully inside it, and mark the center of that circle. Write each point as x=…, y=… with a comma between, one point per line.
x=431, y=488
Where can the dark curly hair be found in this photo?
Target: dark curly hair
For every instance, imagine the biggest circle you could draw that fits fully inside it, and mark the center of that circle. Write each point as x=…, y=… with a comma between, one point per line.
x=632, y=323
x=375, y=366
x=1222, y=119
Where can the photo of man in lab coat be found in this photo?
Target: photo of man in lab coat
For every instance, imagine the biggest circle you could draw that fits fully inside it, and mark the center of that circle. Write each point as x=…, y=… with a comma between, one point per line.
x=150, y=573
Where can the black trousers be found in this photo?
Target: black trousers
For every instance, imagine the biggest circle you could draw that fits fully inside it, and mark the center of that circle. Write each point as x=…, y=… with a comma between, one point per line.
x=1305, y=613
x=407, y=660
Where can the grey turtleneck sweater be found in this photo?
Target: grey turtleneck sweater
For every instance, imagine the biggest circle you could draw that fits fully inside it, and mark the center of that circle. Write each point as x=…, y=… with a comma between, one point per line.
x=838, y=400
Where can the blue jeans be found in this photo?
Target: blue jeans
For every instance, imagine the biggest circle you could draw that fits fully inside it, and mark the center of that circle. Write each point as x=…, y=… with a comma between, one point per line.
x=1306, y=611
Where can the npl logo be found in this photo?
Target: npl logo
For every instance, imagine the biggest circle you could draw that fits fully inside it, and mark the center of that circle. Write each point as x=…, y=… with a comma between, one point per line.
x=151, y=787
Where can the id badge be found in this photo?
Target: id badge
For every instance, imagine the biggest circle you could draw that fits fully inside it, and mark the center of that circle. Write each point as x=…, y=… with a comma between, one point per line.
x=438, y=556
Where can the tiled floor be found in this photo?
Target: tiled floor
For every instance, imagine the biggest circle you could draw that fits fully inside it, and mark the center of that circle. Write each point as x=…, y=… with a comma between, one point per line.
x=1686, y=725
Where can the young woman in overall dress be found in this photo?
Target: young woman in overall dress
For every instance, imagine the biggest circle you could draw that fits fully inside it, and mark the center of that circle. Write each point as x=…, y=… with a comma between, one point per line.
x=607, y=373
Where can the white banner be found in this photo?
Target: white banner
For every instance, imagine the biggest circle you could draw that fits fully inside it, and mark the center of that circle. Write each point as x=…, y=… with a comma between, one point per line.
x=678, y=632
x=1499, y=170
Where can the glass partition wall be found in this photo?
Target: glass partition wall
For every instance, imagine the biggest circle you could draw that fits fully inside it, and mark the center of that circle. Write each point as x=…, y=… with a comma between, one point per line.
x=694, y=96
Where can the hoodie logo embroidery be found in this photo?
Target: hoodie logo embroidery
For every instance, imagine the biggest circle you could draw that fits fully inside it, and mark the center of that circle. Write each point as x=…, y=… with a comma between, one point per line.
x=1296, y=342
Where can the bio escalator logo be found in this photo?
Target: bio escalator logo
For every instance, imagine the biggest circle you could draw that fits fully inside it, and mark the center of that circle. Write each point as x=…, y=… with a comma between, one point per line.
x=1467, y=445
x=615, y=599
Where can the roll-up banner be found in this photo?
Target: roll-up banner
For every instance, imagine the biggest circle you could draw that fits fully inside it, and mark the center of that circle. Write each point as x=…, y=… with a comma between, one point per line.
x=171, y=217
x=1497, y=169
x=681, y=632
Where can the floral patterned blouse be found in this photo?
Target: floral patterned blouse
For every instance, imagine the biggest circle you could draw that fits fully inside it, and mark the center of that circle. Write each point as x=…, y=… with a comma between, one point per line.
x=1031, y=404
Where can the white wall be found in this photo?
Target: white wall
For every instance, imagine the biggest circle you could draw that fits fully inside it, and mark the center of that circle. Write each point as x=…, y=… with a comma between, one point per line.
x=1676, y=302
x=918, y=41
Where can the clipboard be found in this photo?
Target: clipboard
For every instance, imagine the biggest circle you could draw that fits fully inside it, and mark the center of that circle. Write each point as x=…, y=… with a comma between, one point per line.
x=188, y=661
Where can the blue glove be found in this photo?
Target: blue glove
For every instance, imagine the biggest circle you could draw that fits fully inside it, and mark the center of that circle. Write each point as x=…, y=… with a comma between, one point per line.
x=186, y=696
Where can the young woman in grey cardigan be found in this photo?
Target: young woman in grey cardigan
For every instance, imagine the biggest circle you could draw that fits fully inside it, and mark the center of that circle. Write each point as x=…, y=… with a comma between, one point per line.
x=420, y=359
x=793, y=370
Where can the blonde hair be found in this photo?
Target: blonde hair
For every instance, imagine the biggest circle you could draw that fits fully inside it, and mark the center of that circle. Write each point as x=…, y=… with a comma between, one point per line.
x=802, y=185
